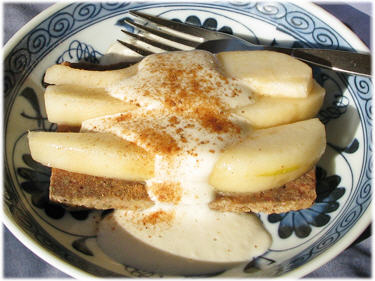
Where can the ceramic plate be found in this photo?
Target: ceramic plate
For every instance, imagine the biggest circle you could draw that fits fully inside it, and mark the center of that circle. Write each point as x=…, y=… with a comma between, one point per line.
x=302, y=240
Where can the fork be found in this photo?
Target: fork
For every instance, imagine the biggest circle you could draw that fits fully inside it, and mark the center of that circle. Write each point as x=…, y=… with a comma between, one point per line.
x=168, y=35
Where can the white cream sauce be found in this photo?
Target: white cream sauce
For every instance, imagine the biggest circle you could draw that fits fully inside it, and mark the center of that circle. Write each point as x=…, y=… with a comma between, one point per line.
x=185, y=119
x=197, y=240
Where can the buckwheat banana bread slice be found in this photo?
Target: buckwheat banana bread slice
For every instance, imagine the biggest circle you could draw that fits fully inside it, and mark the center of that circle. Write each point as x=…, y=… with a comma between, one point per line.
x=295, y=195
x=81, y=190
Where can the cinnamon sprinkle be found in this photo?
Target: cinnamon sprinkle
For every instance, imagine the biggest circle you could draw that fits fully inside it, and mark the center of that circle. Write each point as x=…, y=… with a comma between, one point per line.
x=159, y=141
x=158, y=217
x=168, y=192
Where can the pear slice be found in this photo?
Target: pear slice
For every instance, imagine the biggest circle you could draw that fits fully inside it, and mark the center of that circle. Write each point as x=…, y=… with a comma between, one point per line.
x=265, y=72
x=270, y=157
x=269, y=73
x=64, y=74
x=71, y=105
x=269, y=111
x=97, y=154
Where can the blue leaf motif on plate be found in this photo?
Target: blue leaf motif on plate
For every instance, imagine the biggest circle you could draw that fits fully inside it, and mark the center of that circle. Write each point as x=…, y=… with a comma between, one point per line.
x=37, y=184
x=336, y=103
x=301, y=222
x=36, y=176
x=30, y=95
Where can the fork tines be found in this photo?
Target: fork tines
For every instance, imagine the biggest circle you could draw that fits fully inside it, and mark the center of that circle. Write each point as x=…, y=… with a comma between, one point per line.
x=173, y=25
x=162, y=34
x=151, y=42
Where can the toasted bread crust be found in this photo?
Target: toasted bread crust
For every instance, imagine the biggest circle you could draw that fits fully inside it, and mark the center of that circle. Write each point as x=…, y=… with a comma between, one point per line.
x=295, y=195
x=81, y=190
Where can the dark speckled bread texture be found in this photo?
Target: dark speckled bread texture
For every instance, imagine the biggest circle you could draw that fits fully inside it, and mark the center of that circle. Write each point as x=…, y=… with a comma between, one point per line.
x=81, y=190
x=295, y=195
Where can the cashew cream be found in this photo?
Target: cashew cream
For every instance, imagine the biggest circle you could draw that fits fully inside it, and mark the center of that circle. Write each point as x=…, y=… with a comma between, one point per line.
x=185, y=119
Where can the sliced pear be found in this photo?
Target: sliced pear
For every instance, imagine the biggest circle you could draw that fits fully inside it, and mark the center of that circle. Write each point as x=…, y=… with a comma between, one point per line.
x=273, y=111
x=95, y=154
x=270, y=157
x=269, y=73
x=64, y=74
x=71, y=105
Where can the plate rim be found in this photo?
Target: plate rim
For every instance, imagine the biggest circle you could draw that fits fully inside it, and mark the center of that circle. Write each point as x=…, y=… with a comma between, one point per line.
x=366, y=218
x=46, y=255
x=54, y=260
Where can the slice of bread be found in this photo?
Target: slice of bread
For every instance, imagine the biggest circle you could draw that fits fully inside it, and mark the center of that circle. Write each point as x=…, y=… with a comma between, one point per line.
x=295, y=195
x=81, y=190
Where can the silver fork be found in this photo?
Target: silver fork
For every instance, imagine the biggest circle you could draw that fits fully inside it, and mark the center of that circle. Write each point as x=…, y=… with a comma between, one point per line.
x=168, y=35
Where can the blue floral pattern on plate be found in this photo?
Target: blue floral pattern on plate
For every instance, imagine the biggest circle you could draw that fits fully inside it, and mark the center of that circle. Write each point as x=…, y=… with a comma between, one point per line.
x=300, y=222
x=343, y=198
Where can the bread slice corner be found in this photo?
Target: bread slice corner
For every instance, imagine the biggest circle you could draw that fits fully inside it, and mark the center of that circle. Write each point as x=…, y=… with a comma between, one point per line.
x=295, y=195
x=81, y=190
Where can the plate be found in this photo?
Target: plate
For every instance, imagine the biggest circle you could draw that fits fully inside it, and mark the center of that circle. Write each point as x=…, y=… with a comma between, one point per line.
x=302, y=240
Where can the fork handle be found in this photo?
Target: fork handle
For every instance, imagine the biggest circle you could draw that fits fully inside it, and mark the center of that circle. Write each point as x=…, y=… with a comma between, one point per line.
x=341, y=61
